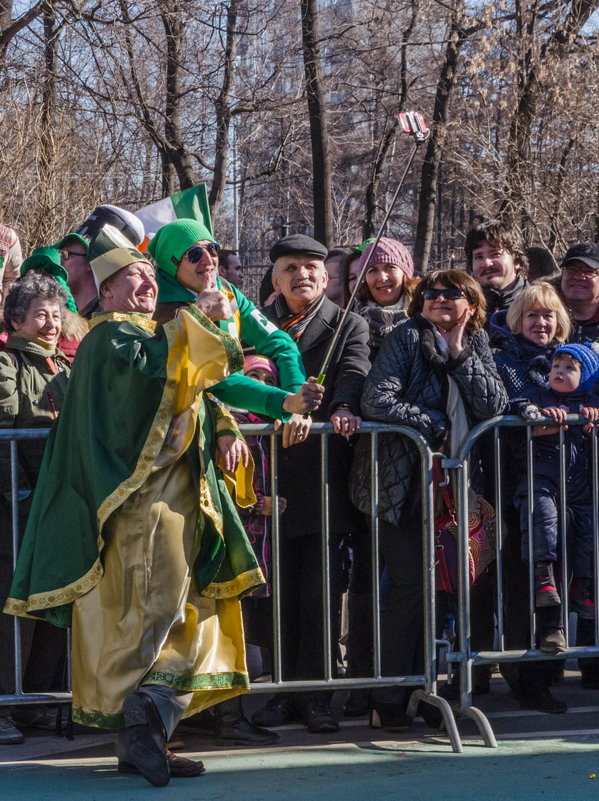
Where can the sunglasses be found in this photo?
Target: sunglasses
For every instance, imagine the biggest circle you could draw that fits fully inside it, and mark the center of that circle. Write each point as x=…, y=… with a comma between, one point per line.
x=195, y=253
x=449, y=293
x=69, y=253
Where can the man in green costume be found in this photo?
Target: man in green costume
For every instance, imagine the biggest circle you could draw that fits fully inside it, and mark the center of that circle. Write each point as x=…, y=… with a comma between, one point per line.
x=187, y=259
x=133, y=537
x=187, y=274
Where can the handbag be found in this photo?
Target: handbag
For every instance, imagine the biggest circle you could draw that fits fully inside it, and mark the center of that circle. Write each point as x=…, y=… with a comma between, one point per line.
x=481, y=536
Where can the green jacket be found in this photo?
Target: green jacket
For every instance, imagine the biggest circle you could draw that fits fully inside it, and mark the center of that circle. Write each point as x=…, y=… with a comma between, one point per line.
x=32, y=390
x=252, y=328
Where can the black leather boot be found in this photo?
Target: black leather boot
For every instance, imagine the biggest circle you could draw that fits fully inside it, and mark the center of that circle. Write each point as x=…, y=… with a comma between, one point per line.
x=226, y=721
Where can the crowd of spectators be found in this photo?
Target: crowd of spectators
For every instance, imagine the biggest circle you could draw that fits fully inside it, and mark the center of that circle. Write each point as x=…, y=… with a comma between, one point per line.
x=439, y=353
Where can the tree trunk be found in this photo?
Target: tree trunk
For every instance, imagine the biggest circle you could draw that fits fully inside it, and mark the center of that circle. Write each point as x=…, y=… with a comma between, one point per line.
x=178, y=154
x=519, y=185
x=223, y=112
x=430, y=167
x=321, y=162
x=47, y=144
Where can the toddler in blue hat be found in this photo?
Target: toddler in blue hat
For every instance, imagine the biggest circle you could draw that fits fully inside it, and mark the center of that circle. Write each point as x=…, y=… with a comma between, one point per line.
x=572, y=379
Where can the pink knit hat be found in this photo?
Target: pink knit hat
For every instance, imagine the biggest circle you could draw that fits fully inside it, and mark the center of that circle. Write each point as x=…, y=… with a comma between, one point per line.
x=263, y=362
x=389, y=251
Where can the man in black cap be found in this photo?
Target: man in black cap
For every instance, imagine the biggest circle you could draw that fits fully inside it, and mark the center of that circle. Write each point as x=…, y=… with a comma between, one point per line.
x=580, y=289
x=310, y=318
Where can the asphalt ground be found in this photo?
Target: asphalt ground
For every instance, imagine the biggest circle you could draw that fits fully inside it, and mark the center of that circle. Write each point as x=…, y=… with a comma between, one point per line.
x=539, y=755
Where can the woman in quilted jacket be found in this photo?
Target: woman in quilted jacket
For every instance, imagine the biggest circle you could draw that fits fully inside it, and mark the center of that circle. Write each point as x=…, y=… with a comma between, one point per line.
x=436, y=373
x=33, y=381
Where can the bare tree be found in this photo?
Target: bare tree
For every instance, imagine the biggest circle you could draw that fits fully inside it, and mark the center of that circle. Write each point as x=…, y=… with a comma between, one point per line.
x=321, y=161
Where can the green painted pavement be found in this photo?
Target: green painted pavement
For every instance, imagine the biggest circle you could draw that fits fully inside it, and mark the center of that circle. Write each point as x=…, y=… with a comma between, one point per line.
x=554, y=769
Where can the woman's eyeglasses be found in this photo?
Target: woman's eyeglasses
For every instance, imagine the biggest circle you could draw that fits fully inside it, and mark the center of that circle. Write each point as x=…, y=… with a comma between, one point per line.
x=195, y=253
x=449, y=293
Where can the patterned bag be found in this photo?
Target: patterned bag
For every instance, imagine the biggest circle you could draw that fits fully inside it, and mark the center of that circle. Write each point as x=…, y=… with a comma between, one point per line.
x=481, y=538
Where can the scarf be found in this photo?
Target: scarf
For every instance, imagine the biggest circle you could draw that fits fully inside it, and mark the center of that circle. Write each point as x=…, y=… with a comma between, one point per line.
x=455, y=409
x=498, y=299
x=382, y=319
x=296, y=324
x=171, y=291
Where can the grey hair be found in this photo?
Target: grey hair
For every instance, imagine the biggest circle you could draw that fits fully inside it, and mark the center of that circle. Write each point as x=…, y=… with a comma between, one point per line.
x=30, y=286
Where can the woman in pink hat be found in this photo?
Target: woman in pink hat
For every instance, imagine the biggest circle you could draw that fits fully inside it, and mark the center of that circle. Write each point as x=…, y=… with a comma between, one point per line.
x=387, y=290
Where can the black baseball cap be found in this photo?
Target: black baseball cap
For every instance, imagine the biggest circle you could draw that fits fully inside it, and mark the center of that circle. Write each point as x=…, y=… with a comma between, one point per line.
x=587, y=252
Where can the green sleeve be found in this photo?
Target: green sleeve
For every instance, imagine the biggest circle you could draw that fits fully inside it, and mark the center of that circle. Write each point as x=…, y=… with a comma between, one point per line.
x=9, y=397
x=9, y=409
x=242, y=392
x=270, y=341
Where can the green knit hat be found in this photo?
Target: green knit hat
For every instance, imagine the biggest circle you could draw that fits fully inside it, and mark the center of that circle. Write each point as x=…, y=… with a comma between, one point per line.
x=171, y=241
x=47, y=260
x=75, y=236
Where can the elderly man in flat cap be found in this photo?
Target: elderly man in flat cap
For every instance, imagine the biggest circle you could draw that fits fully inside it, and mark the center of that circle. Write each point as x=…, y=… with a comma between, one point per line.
x=310, y=318
x=133, y=537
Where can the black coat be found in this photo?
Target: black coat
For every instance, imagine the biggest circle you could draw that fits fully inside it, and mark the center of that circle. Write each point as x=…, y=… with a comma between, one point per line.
x=299, y=466
x=408, y=386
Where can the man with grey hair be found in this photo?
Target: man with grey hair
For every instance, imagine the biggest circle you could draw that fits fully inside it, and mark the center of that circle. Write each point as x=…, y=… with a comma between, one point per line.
x=311, y=319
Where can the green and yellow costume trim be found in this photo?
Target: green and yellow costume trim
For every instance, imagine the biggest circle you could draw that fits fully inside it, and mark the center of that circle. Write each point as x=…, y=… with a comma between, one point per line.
x=133, y=536
x=130, y=382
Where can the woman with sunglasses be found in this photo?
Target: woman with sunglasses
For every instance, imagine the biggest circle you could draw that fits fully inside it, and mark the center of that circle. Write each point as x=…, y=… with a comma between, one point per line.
x=434, y=372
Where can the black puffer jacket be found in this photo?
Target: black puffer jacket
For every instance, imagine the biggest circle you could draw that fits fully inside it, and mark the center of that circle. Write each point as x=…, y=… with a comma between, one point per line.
x=408, y=386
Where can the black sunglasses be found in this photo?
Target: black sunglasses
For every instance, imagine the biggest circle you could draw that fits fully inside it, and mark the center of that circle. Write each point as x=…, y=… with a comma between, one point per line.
x=70, y=253
x=195, y=253
x=449, y=293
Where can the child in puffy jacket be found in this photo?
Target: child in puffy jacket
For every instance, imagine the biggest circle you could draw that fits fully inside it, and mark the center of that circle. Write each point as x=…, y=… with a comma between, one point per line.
x=574, y=373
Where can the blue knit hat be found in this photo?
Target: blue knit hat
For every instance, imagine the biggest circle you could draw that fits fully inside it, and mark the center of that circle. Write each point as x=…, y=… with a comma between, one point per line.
x=589, y=363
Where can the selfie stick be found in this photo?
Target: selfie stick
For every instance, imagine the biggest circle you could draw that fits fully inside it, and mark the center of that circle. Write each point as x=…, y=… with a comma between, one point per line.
x=414, y=125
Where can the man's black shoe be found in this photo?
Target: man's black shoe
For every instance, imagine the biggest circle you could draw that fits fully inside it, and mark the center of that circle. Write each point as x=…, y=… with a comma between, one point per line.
x=317, y=717
x=230, y=726
x=541, y=700
x=146, y=741
x=277, y=712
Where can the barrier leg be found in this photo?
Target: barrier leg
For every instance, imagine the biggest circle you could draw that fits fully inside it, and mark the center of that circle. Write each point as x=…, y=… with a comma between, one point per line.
x=482, y=723
x=443, y=706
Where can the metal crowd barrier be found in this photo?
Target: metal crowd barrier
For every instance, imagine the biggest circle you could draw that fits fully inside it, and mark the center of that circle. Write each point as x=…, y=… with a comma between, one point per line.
x=425, y=684
x=465, y=655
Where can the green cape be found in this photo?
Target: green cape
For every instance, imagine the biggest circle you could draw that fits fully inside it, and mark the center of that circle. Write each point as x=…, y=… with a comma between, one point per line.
x=113, y=419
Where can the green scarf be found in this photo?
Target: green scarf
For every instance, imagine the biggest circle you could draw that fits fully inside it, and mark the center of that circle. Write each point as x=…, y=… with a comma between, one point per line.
x=171, y=291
